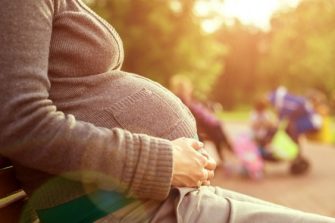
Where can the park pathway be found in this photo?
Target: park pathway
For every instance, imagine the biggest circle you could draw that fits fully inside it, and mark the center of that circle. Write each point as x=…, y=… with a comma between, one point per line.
x=312, y=192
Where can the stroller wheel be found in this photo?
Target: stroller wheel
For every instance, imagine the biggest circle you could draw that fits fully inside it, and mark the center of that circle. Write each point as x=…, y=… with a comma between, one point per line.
x=299, y=166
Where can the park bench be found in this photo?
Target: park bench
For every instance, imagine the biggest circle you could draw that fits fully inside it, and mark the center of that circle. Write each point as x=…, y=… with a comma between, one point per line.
x=12, y=197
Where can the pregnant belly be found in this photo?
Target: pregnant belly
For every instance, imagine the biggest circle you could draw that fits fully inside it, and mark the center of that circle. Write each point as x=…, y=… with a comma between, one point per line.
x=126, y=101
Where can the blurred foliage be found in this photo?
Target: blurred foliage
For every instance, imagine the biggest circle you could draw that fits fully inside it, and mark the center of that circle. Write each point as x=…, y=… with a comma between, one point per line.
x=301, y=48
x=163, y=38
x=298, y=52
x=235, y=64
x=238, y=82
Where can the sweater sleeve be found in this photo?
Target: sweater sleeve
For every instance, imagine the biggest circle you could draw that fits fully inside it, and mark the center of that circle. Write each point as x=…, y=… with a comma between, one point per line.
x=37, y=135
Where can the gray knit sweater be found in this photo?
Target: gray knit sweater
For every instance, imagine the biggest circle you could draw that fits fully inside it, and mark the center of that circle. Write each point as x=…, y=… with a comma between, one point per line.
x=71, y=121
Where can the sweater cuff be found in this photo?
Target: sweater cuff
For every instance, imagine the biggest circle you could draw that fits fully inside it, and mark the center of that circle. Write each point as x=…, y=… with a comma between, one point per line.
x=149, y=166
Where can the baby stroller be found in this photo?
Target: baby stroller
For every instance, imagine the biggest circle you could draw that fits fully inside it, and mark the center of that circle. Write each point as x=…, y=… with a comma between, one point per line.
x=300, y=118
x=280, y=146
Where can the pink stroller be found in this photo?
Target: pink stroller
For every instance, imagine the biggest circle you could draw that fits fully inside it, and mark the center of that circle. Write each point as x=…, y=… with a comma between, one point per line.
x=247, y=152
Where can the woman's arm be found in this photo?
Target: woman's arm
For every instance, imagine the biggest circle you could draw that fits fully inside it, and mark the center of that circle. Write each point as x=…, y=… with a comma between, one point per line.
x=35, y=134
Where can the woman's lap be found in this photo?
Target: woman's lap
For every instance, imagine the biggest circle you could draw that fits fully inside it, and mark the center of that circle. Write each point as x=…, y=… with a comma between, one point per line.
x=217, y=205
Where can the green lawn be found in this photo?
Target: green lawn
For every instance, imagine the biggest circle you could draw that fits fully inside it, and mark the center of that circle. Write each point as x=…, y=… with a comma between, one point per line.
x=241, y=115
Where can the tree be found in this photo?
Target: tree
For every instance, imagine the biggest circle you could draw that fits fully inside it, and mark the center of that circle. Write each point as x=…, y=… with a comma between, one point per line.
x=301, y=50
x=239, y=82
x=164, y=38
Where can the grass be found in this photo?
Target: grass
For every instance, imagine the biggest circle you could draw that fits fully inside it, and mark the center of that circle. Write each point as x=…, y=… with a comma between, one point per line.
x=239, y=115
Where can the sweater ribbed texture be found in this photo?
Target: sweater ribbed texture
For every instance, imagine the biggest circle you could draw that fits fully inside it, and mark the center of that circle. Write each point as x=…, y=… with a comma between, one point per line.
x=73, y=122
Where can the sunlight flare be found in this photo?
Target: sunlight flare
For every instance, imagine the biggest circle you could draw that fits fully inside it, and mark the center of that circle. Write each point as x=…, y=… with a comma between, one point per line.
x=249, y=12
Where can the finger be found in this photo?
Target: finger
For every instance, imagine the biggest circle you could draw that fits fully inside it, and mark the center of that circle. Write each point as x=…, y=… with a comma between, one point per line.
x=207, y=183
x=204, y=152
x=196, y=144
x=199, y=183
x=210, y=175
x=211, y=164
x=202, y=160
x=205, y=174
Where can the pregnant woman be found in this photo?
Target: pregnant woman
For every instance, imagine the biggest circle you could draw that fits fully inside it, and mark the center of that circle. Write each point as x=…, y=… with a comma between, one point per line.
x=93, y=143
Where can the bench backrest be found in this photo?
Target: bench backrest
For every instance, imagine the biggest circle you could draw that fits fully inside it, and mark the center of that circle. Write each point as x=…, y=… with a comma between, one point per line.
x=12, y=197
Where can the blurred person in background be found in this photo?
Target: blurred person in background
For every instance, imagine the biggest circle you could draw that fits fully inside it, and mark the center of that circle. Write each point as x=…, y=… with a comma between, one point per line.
x=209, y=126
x=263, y=126
x=297, y=111
x=321, y=106
x=299, y=118
x=332, y=103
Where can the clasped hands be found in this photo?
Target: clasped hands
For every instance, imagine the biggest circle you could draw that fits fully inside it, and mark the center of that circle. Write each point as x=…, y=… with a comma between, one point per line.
x=192, y=165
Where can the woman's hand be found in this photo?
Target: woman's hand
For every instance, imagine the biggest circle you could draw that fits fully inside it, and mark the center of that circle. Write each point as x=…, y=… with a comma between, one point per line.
x=192, y=166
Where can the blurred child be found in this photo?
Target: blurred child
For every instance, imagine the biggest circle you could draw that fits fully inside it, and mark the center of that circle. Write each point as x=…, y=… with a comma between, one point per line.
x=263, y=126
x=209, y=126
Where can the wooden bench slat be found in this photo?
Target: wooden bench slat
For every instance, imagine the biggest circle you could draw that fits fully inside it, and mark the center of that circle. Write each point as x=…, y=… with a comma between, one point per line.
x=18, y=195
x=8, y=182
x=12, y=197
x=4, y=162
x=12, y=213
